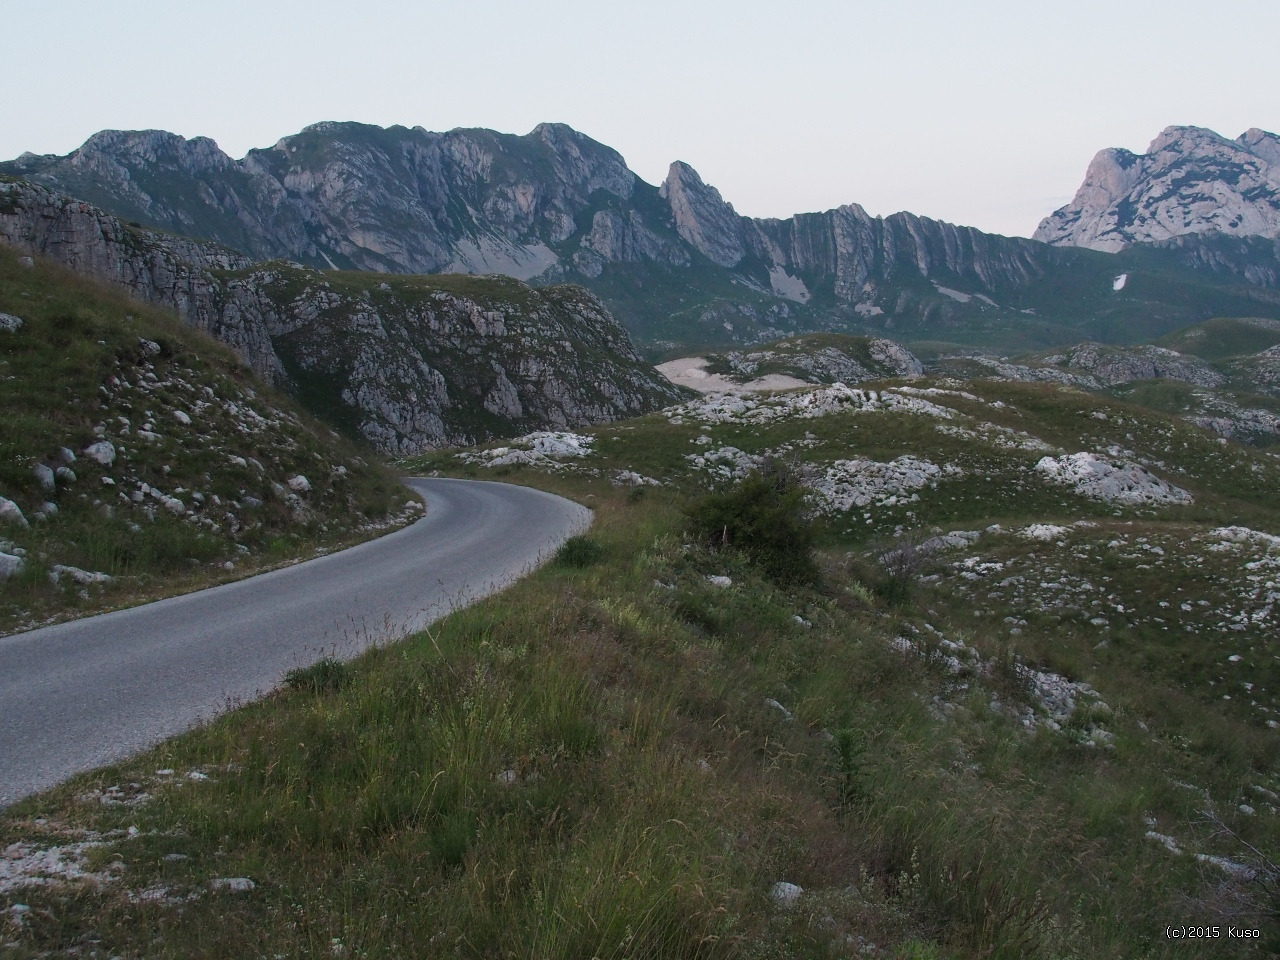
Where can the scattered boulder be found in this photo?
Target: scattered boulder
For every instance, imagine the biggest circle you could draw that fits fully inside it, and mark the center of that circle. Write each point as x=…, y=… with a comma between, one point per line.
x=786, y=895
x=12, y=512
x=299, y=484
x=83, y=577
x=101, y=452
x=233, y=884
x=9, y=565
x=1099, y=479
x=9, y=323
x=44, y=476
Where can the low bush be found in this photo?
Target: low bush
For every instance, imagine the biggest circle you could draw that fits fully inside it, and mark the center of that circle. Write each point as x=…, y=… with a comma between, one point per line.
x=579, y=552
x=764, y=516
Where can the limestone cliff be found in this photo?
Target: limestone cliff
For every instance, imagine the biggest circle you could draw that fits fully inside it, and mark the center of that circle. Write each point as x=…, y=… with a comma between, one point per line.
x=408, y=362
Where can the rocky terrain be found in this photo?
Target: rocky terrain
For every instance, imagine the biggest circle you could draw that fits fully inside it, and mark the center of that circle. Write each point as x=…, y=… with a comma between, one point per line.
x=1221, y=375
x=138, y=456
x=675, y=262
x=1190, y=181
x=407, y=363
x=1037, y=656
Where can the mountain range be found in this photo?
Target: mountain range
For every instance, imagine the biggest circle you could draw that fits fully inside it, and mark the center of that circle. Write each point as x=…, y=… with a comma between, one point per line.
x=675, y=262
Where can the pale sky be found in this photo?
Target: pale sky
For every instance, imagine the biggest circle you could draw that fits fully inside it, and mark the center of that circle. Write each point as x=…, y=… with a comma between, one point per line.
x=982, y=113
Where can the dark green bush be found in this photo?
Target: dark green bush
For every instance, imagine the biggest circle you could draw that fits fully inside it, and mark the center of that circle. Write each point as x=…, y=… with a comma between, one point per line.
x=764, y=516
x=579, y=552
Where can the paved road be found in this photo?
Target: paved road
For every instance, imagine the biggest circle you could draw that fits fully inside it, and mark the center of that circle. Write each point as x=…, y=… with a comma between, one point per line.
x=79, y=695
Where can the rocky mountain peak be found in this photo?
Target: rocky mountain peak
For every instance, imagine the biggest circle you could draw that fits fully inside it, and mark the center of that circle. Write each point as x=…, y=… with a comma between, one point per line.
x=1191, y=180
x=702, y=217
x=152, y=148
x=1262, y=144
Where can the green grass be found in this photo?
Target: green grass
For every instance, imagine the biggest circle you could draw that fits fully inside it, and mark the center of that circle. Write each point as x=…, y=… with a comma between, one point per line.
x=589, y=765
x=87, y=364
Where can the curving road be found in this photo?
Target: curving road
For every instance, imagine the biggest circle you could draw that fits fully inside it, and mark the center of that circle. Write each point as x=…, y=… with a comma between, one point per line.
x=79, y=695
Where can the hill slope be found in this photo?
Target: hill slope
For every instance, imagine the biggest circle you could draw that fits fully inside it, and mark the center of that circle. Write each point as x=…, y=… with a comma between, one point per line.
x=139, y=457
x=406, y=362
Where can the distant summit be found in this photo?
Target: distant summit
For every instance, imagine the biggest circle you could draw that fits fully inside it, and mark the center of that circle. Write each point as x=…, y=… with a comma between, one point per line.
x=1190, y=181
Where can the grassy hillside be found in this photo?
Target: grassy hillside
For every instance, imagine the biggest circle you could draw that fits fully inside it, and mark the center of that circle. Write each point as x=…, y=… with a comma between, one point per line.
x=1049, y=736
x=144, y=459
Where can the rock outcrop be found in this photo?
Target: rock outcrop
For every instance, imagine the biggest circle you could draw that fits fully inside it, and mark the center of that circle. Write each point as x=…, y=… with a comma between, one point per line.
x=408, y=362
x=1190, y=181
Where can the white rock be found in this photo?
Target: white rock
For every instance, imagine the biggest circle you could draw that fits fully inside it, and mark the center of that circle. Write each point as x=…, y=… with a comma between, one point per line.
x=101, y=452
x=718, y=581
x=44, y=476
x=82, y=577
x=775, y=705
x=1168, y=842
x=9, y=323
x=11, y=512
x=1044, y=531
x=786, y=895
x=232, y=884
x=1237, y=870
x=299, y=484
x=630, y=478
x=1097, y=478
x=9, y=565
x=182, y=418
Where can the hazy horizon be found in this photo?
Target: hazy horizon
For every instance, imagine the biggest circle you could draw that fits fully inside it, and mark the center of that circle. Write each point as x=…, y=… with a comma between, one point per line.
x=985, y=116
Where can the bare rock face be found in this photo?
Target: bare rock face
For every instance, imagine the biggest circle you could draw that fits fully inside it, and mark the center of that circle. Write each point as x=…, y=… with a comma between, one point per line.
x=702, y=217
x=552, y=204
x=164, y=270
x=410, y=363
x=1190, y=181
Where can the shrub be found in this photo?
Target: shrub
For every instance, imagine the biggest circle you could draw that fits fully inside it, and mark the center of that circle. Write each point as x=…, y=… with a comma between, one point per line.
x=579, y=552
x=901, y=565
x=765, y=517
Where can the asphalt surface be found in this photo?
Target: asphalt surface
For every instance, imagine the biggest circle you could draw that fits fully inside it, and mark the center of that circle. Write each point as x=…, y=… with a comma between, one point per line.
x=79, y=695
